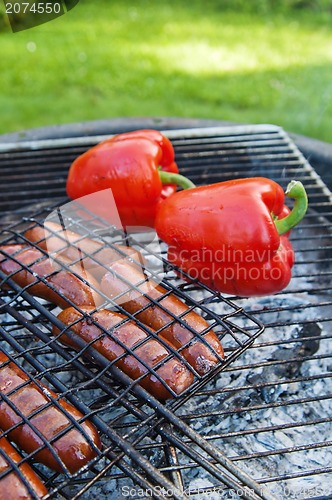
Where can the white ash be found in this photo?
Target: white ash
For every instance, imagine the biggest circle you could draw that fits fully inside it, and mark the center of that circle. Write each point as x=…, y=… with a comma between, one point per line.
x=278, y=464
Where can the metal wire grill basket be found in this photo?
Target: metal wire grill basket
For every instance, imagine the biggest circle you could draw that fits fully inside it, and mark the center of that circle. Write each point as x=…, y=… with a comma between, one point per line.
x=146, y=442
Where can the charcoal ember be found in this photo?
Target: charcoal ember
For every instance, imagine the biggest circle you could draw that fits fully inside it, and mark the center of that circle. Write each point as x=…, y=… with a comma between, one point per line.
x=291, y=359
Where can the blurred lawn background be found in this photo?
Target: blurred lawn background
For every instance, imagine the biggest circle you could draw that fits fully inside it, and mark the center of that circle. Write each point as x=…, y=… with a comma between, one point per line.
x=246, y=61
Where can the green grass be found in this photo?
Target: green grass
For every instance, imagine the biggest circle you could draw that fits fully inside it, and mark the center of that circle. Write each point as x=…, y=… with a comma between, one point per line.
x=177, y=58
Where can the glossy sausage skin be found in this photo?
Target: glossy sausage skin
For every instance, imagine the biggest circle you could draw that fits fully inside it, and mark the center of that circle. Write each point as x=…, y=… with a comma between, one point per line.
x=60, y=284
x=71, y=449
x=200, y=356
x=93, y=255
x=11, y=485
x=176, y=375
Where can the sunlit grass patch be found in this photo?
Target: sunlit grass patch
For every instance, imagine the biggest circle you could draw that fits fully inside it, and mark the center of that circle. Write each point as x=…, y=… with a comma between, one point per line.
x=113, y=59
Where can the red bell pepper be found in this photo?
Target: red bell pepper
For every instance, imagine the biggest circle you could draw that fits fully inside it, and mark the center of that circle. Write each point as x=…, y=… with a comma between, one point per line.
x=233, y=236
x=131, y=165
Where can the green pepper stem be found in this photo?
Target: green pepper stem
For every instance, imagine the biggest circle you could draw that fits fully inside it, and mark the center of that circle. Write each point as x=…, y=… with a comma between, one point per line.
x=295, y=190
x=172, y=178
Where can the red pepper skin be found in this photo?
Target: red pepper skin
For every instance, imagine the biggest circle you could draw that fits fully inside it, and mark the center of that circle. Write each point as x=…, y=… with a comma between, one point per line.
x=244, y=279
x=128, y=164
x=224, y=235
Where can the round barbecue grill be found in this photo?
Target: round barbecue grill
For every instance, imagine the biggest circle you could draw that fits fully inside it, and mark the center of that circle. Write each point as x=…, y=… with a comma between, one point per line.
x=259, y=424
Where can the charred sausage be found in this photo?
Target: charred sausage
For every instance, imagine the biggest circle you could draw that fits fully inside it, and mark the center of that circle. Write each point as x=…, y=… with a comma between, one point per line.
x=119, y=284
x=45, y=278
x=108, y=330
x=93, y=255
x=73, y=449
x=13, y=486
x=201, y=355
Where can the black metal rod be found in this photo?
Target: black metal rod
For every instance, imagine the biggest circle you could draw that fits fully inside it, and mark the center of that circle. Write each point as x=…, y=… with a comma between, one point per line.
x=170, y=417
x=223, y=155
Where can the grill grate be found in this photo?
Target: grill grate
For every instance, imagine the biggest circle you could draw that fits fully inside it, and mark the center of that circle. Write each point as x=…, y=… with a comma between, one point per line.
x=269, y=406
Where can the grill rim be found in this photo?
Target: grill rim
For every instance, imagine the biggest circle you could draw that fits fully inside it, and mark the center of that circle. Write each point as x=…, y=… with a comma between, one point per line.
x=319, y=177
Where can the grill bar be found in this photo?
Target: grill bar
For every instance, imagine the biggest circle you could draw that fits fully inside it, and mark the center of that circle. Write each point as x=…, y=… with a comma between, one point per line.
x=269, y=406
x=161, y=410
x=127, y=448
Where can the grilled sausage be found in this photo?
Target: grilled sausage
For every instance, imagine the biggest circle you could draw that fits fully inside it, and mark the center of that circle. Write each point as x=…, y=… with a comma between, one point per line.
x=118, y=284
x=45, y=278
x=73, y=449
x=108, y=329
x=12, y=486
x=93, y=255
